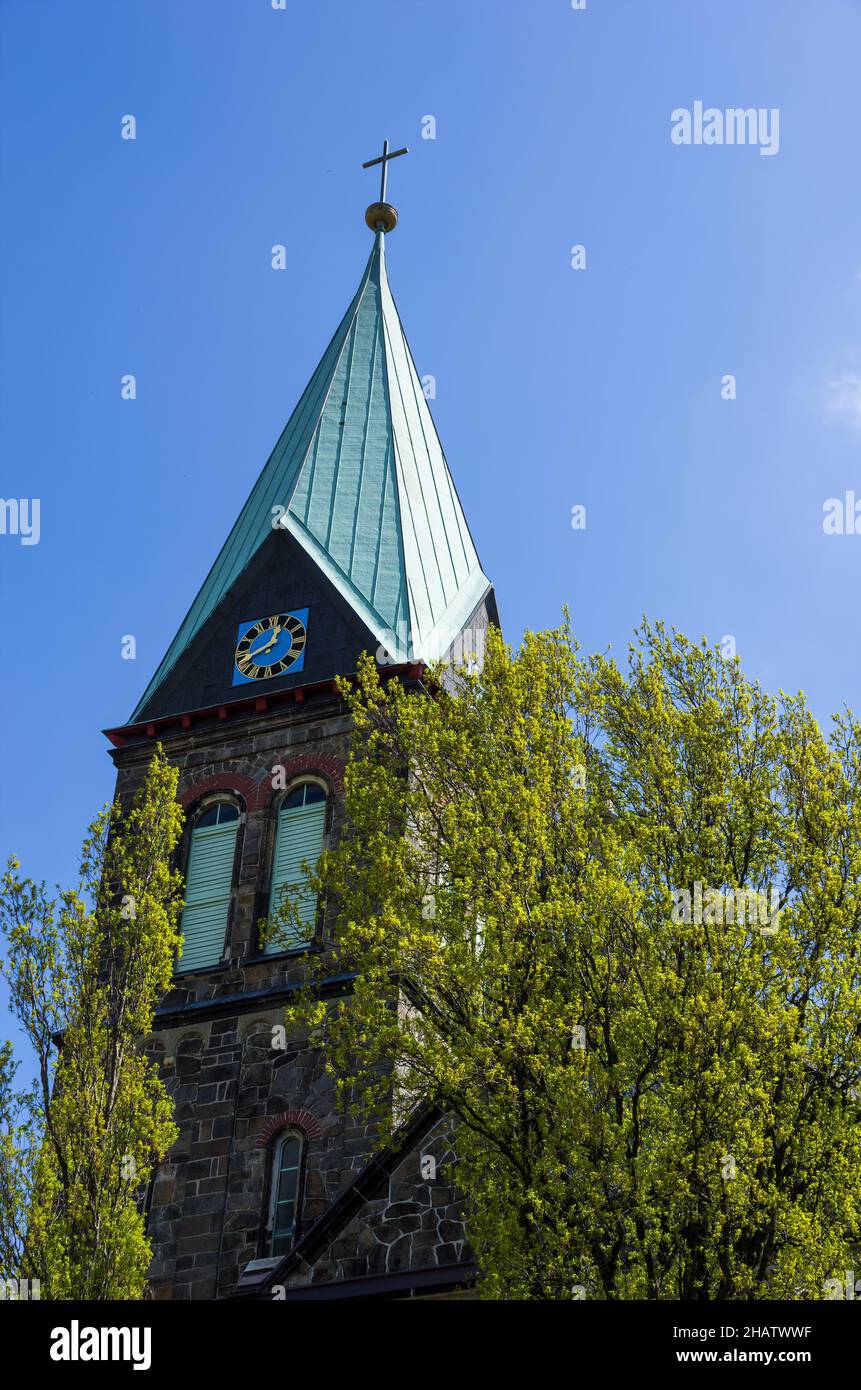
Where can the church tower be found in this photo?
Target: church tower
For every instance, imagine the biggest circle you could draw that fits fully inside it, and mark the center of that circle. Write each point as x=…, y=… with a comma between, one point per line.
x=353, y=539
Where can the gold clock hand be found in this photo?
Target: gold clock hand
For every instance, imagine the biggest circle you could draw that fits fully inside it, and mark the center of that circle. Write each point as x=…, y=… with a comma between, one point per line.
x=267, y=646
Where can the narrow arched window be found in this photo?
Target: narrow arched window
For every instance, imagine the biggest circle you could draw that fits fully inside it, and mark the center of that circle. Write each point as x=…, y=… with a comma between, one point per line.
x=208, y=885
x=286, y=1197
x=299, y=835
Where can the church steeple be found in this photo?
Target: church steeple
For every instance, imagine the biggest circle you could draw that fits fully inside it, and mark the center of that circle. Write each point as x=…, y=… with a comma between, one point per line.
x=359, y=479
x=353, y=539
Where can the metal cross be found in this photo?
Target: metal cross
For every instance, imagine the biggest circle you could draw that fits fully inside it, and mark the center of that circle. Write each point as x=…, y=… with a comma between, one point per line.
x=384, y=160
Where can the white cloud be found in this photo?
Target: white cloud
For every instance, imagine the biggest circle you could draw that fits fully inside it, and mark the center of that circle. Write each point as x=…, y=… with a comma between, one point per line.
x=844, y=399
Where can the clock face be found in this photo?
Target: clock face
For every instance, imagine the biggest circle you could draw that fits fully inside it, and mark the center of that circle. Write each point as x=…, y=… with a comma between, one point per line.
x=267, y=647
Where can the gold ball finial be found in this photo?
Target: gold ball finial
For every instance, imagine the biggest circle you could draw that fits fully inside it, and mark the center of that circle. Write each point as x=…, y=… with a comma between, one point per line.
x=381, y=217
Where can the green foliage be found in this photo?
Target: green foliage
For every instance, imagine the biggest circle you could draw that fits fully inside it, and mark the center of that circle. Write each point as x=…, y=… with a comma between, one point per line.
x=649, y=1106
x=84, y=974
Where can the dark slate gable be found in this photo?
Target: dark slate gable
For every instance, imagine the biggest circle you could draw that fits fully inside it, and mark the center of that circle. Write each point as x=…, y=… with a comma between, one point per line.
x=280, y=579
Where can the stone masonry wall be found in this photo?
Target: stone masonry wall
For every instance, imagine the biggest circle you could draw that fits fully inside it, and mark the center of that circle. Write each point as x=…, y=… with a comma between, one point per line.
x=416, y=1222
x=209, y=1200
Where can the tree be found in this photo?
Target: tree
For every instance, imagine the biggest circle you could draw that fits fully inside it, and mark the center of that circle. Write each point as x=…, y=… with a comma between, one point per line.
x=612, y=922
x=84, y=975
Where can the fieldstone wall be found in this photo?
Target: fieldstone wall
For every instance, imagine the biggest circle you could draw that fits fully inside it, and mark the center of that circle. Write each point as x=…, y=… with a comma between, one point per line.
x=209, y=1202
x=416, y=1222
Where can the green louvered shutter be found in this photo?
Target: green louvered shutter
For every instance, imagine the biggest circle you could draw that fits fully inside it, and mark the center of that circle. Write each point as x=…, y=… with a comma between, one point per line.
x=300, y=836
x=207, y=895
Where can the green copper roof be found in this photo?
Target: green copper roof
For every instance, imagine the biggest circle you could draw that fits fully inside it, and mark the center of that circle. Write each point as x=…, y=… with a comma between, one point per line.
x=367, y=491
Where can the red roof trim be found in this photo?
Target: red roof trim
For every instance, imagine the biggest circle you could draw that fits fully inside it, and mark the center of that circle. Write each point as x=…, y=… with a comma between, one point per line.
x=124, y=733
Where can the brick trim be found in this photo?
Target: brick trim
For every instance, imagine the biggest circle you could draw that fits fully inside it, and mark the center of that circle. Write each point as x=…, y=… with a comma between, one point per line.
x=330, y=767
x=256, y=795
x=235, y=782
x=302, y=1119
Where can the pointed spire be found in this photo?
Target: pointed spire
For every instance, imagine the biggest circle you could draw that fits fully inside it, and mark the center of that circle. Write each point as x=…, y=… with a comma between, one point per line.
x=362, y=483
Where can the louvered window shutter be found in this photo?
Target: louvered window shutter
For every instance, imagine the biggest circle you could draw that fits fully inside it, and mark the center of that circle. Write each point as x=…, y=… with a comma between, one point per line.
x=299, y=836
x=207, y=895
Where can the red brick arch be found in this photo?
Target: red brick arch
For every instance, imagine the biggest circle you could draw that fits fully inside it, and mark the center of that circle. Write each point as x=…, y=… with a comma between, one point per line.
x=322, y=763
x=257, y=794
x=303, y=1119
x=249, y=790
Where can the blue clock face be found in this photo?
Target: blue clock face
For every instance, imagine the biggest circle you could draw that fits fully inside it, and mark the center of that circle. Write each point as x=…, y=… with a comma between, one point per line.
x=272, y=646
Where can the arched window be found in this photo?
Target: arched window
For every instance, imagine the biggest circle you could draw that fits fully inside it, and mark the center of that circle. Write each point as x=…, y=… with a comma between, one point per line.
x=286, y=1199
x=301, y=826
x=208, y=883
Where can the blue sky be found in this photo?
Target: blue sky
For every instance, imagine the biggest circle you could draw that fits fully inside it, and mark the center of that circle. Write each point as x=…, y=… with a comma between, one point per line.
x=555, y=386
